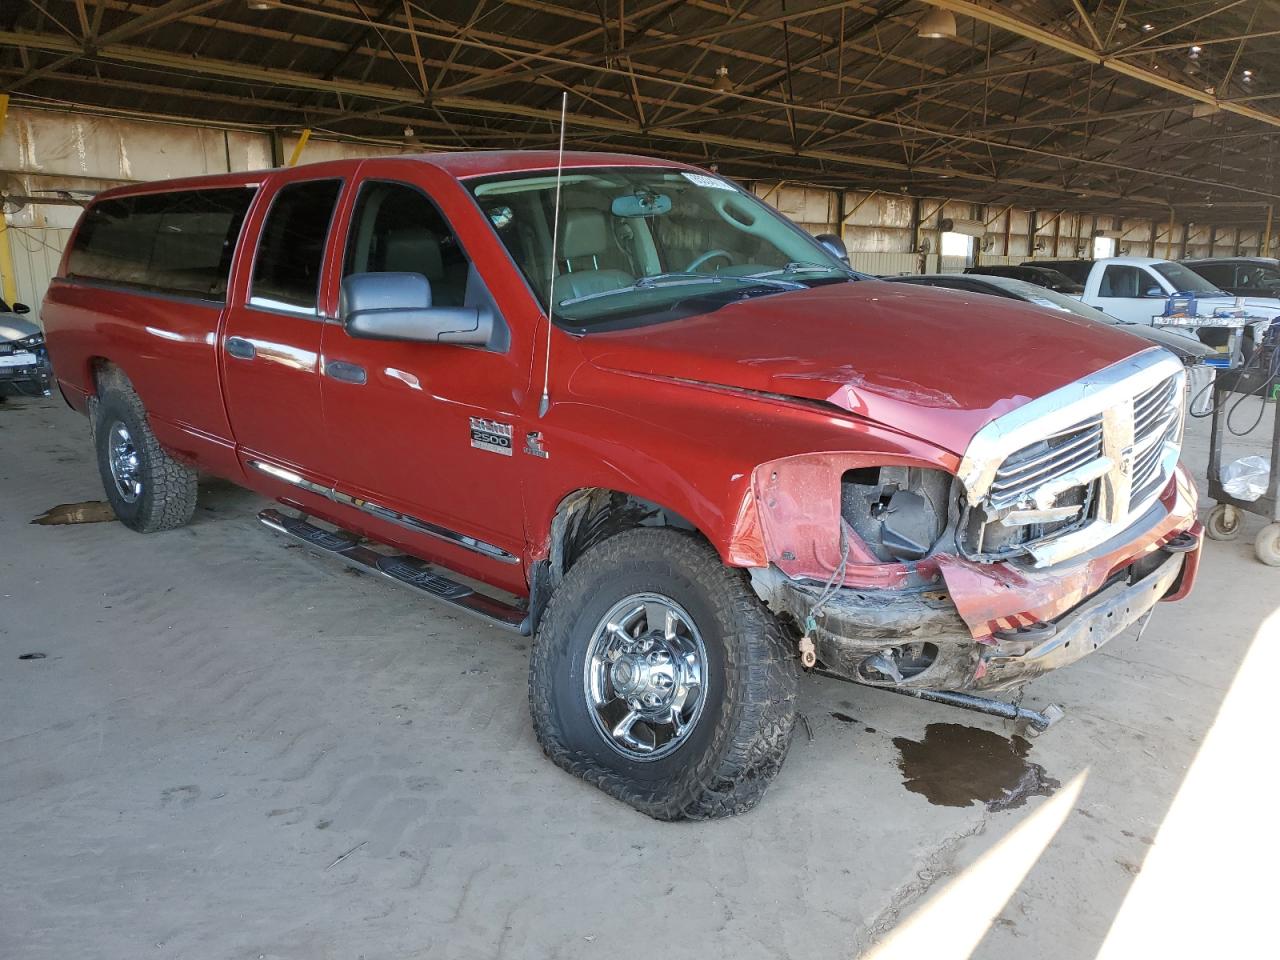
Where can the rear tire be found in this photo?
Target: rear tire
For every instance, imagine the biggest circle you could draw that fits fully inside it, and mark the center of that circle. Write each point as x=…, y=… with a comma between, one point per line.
x=148, y=490
x=728, y=742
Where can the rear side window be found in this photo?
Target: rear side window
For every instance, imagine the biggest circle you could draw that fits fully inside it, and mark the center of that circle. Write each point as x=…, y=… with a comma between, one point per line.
x=1224, y=275
x=286, y=271
x=178, y=243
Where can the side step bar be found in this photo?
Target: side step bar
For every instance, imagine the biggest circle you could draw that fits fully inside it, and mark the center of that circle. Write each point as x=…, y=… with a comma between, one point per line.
x=417, y=575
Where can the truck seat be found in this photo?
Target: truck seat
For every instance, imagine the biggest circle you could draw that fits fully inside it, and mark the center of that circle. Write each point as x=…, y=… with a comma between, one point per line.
x=586, y=235
x=417, y=250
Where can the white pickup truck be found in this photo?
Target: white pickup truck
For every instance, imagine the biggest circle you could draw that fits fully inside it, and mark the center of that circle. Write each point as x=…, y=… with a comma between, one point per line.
x=1135, y=289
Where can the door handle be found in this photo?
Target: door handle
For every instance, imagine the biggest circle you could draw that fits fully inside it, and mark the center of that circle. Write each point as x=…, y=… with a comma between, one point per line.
x=346, y=372
x=241, y=348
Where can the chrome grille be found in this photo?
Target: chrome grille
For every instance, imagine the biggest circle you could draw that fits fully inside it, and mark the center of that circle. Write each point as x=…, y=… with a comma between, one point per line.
x=1025, y=471
x=1076, y=467
x=1157, y=419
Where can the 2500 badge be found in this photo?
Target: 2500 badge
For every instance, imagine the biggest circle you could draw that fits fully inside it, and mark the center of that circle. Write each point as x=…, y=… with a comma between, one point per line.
x=491, y=435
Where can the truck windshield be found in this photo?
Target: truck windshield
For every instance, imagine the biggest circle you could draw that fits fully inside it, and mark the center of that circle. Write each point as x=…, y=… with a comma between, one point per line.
x=636, y=241
x=1184, y=280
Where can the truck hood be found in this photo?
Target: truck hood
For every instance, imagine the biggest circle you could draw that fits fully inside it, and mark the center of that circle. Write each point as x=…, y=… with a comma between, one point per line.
x=1267, y=307
x=13, y=328
x=932, y=363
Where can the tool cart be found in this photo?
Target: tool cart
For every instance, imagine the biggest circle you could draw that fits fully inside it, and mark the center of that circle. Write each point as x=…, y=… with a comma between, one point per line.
x=1258, y=377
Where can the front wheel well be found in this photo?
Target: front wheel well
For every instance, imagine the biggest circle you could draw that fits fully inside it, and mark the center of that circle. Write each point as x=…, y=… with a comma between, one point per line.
x=590, y=516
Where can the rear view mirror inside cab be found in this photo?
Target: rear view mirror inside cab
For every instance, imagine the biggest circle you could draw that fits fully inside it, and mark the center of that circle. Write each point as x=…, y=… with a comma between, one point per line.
x=397, y=306
x=641, y=204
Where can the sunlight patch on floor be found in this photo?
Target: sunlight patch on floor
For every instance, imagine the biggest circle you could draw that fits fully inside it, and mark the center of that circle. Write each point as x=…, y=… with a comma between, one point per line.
x=953, y=922
x=1208, y=885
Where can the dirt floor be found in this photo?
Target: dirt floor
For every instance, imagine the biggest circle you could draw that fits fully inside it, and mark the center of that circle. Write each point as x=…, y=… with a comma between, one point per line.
x=229, y=748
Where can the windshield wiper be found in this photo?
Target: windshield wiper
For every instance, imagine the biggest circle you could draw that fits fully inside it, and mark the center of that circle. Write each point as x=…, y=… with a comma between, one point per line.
x=677, y=279
x=793, y=268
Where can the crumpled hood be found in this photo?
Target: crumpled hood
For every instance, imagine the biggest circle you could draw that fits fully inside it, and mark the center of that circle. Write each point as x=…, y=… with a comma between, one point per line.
x=11, y=328
x=934, y=363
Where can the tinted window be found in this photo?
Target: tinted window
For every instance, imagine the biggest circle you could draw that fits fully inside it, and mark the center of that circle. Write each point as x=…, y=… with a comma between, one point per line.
x=286, y=271
x=1219, y=274
x=396, y=229
x=178, y=242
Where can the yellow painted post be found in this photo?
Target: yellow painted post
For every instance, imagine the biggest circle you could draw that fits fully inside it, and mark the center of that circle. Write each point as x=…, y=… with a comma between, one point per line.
x=298, y=147
x=8, y=281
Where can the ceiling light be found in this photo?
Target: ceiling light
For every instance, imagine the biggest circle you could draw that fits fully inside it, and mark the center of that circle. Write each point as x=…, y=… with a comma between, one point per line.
x=723, y=84
x=259, y=4
x=937, y=25
x=408, y=133
x=1195, y=50
x=1148, y=27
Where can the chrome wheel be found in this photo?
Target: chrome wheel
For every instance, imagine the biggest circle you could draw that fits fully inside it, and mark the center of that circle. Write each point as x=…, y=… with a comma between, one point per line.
x=122, y=456
x=644, y=676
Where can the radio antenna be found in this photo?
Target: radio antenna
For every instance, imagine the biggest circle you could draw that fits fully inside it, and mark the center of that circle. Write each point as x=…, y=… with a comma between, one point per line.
x=551, y=285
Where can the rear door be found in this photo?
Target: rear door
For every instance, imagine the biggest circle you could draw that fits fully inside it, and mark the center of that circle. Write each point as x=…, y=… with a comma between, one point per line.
x=427, y=434
x=270, y=344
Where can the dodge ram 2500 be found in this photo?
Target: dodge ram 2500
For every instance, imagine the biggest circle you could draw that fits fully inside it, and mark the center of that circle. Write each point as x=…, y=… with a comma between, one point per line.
x=678, y=442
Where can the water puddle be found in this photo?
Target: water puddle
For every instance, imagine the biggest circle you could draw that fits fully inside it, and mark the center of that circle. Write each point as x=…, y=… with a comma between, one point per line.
x=958, y=766
x=88, y=511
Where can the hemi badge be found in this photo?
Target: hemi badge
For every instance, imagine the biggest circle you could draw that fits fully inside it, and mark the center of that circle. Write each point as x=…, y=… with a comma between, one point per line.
x=491, y=435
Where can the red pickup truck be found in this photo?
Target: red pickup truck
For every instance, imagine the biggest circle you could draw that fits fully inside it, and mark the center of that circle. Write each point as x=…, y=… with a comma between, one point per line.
x=677, y=441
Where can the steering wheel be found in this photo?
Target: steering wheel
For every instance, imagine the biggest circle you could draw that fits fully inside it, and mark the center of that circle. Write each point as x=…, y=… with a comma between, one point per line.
x=707, y=257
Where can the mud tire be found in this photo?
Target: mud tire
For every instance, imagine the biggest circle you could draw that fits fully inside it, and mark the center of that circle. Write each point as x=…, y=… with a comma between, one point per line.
x=742, y=735
x=168, y=497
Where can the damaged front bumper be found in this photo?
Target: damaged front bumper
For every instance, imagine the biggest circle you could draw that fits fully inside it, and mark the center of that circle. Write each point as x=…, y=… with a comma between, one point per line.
x=996, y=626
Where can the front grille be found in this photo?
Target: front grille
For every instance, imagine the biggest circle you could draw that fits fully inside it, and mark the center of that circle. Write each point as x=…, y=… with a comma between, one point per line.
x=1104, y=468
x=1157, y=420
x=1033, y=466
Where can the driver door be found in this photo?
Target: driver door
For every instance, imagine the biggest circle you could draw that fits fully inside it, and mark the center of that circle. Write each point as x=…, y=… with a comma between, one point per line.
x=415, y=430
x=1120, y=293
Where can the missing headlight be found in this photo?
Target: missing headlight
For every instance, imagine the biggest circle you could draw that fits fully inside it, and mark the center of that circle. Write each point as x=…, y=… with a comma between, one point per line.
x=899, y=512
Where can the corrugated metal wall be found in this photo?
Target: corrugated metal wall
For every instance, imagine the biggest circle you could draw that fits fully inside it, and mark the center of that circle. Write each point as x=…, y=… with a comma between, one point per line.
x=36, y=252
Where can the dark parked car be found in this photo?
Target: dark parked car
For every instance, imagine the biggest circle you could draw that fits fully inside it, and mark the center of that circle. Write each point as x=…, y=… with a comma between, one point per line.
x=1240, y=276
x=1040, y=276
x=1185, y=346
x=24, y=362
x=1076, y=270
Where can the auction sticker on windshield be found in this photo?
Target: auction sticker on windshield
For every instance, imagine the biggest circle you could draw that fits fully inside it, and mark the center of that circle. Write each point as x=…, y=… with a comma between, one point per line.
x=702, y=180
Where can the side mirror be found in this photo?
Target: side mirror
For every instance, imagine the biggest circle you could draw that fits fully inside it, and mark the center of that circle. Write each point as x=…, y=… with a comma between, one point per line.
x=834, y=246
x=19, y=308
x=397, y=306
x=1155, y=293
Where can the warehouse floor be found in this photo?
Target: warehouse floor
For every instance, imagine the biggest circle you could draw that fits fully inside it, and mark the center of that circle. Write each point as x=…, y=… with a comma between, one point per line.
x=233, y=749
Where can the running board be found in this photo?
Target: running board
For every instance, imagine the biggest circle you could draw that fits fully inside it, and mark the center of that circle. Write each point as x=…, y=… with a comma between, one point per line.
x=417, y=575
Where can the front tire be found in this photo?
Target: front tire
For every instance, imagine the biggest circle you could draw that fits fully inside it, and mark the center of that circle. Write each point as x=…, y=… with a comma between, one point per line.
x=148, y=490
x=657, y=675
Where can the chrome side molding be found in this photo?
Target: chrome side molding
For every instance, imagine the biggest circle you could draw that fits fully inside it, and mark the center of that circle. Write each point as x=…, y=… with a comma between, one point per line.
x=386, y=513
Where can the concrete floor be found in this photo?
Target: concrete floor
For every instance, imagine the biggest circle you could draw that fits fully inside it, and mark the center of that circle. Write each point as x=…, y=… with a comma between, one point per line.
x=234, y=749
